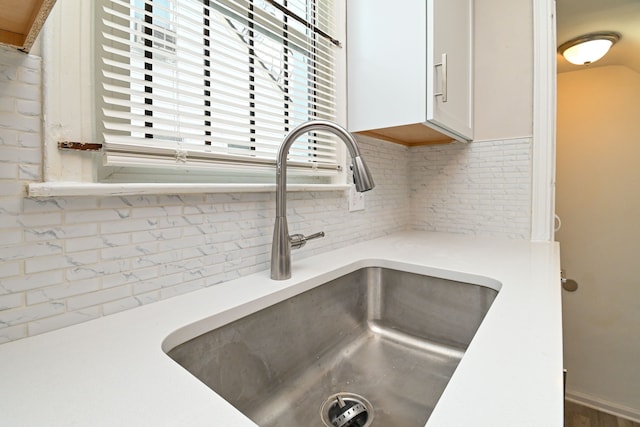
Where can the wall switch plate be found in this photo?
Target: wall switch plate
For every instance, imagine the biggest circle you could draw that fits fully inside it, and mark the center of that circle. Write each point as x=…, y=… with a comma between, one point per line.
x=356, y=200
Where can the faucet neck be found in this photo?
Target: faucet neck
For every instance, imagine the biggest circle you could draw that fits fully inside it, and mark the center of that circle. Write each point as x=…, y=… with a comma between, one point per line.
x=281, y=189
x=281, y=162
x=281, y=246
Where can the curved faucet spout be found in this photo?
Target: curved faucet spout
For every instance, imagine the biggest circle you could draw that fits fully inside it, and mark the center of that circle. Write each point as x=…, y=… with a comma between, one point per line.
x=281, y=247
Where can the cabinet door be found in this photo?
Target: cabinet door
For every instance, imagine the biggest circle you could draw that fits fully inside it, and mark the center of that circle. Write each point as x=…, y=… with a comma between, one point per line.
x=450, y=66
x=386, y=63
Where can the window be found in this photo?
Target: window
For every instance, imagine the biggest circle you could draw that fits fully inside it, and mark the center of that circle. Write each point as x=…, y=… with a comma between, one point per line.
x=216, y=83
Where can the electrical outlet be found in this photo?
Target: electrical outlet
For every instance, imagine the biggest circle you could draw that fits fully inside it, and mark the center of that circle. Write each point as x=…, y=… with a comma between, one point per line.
x=356, y=200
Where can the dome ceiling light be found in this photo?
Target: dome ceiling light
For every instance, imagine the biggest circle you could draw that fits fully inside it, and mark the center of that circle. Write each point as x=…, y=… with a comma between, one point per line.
x=586, y=49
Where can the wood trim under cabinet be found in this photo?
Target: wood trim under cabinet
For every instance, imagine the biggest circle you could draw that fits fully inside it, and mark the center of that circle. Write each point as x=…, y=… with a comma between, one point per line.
x=22, y=20
x=410, y=135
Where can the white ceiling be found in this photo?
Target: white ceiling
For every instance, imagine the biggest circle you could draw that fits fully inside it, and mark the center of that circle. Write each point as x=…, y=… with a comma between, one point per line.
x=578, y=17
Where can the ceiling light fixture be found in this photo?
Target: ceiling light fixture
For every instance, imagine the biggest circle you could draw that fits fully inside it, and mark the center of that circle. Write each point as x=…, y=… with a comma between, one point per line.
x=588, y=48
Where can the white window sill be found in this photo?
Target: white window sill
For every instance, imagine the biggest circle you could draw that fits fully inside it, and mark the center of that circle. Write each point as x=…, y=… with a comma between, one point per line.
x=57, y=189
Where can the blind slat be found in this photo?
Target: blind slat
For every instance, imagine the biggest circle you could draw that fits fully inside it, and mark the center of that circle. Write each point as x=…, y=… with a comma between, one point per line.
x=124, y=149
x=319, y=49
x=267, y=105
x=275, y=131
x=297, y=96
x=219, y=35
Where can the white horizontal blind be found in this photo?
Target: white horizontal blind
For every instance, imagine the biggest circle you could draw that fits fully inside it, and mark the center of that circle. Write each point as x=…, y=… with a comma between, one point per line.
x=204, y=82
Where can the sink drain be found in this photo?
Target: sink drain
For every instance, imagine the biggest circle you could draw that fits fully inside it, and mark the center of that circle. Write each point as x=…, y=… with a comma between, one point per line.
x=346, y=410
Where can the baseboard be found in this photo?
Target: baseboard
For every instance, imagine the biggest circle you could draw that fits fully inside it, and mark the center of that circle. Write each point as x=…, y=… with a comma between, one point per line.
x=604, y=406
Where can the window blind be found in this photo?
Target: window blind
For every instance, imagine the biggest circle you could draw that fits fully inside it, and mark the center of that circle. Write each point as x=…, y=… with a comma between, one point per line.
x=205, y=83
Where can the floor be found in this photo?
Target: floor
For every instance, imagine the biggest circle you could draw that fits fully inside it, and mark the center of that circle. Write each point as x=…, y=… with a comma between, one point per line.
x=581, y=416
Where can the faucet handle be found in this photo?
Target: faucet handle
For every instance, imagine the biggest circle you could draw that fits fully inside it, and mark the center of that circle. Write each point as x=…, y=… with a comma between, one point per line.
x=299, y=240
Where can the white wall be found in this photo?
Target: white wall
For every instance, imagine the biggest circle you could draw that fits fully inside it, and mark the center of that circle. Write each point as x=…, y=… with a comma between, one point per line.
x=69, y=260
x=503, y=41
x=598, y=200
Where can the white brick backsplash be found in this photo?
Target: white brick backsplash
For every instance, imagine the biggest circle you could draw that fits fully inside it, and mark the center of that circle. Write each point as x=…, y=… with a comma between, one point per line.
x=68, y=260
x=8, y=137
x=156, y=211
x=98, y=297
x=30, y=74
x=100, y=269
x=127, y=202
x=10, y=237
x=29, y=108
x=29, y=172
x=8, y=171
x=134, y=277
x=19, y=90
x=29, y=251
x=13, y=333
x=13, y=59
x=27, y=282
x=478, y=188
x=11, y=301
x=40, y=219
x=128, y=252
x=44, y=205
x=67, y=232
x=147, y=286
x=96, y=242
x=98, y=215
x=183, y=288
x=131, y=302
x=8, y=269
x=156, y=235
x=60, y=292
x=28, y=314
x=27, y=155
x=163, y=281
x=57, y=262
x=29, y=140
x=8, y=72
x=126, y=304
x=11, y=188
x=7, y=105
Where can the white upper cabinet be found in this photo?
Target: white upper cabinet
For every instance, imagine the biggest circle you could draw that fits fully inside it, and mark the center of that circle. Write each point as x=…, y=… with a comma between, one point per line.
x=410, y=70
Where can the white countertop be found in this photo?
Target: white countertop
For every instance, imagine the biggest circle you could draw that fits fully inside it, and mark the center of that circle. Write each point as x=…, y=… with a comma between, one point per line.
x=113, y=371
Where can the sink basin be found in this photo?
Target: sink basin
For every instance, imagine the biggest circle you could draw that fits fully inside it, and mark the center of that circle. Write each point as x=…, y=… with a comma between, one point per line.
x=375, y=347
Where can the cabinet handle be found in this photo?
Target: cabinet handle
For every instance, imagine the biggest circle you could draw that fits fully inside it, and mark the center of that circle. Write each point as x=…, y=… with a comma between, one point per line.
x=443, y=64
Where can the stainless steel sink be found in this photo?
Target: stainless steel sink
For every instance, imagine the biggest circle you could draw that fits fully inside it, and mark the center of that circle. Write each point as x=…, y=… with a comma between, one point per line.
x=374, y=347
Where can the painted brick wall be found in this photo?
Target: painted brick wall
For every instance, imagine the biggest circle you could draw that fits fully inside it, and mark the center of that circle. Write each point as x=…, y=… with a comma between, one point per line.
x=69, y=260
x=478, y=188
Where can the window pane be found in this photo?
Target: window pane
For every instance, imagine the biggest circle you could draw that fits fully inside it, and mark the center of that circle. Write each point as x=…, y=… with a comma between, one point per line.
x=228, y=76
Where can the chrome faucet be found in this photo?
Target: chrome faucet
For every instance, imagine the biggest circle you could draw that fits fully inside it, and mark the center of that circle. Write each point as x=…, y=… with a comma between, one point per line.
x=282, y=242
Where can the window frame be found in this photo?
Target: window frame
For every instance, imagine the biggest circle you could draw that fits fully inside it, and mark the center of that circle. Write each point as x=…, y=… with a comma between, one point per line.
x=70, y=92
